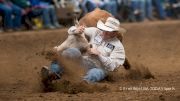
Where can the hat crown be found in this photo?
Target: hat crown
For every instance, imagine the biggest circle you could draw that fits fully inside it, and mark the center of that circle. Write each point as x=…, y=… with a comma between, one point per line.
x=112, y=23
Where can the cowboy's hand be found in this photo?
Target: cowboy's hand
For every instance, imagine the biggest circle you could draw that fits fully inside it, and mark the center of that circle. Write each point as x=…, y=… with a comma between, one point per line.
x=80, y=29
x=94, y=51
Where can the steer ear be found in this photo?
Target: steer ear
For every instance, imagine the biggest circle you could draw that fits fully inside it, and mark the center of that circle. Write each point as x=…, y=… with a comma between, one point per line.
x=76, y=22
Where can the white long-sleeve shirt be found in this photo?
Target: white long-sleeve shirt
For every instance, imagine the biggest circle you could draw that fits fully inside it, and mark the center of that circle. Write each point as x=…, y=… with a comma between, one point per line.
x=112, y=51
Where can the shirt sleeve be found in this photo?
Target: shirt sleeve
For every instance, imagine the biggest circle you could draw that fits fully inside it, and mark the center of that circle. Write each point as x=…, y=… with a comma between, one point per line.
x=116, y=58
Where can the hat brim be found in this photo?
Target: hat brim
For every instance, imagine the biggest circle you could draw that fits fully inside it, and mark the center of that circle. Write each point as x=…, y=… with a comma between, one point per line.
x=103, y=27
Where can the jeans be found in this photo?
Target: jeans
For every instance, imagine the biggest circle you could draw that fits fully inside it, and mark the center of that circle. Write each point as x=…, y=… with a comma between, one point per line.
x=27, y=19
x=149, y=9
x=49, y=16
x=139, y=6
x=160, y=9
x=87, y=6
x=8, y=11
x=171, y=11
x=56, y=67
x=111, y=7
x=94, y=74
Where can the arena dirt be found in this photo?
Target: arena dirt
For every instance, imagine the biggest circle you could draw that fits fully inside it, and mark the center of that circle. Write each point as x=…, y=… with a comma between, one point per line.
x=152, y=48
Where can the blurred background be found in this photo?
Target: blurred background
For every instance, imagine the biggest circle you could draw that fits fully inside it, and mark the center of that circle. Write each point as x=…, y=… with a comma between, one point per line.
x=17, y=15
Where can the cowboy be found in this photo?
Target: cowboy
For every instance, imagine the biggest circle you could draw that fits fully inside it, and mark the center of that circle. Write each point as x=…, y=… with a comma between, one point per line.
x=106, y=47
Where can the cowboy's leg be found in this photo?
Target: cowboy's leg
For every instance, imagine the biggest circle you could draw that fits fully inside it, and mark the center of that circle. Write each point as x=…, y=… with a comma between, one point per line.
x=95, y=75
x=56, y=69
x=88, y=63
x=70, y=53
x=92, y=67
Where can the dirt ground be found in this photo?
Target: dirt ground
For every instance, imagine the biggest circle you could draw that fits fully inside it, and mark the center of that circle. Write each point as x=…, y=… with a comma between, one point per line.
x=154, y=45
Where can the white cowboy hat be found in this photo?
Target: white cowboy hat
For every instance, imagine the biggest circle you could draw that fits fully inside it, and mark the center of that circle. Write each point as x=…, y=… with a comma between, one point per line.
x=110, y=25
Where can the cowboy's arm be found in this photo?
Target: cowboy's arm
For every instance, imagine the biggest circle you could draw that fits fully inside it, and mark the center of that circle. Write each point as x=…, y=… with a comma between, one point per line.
x=116, y=59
